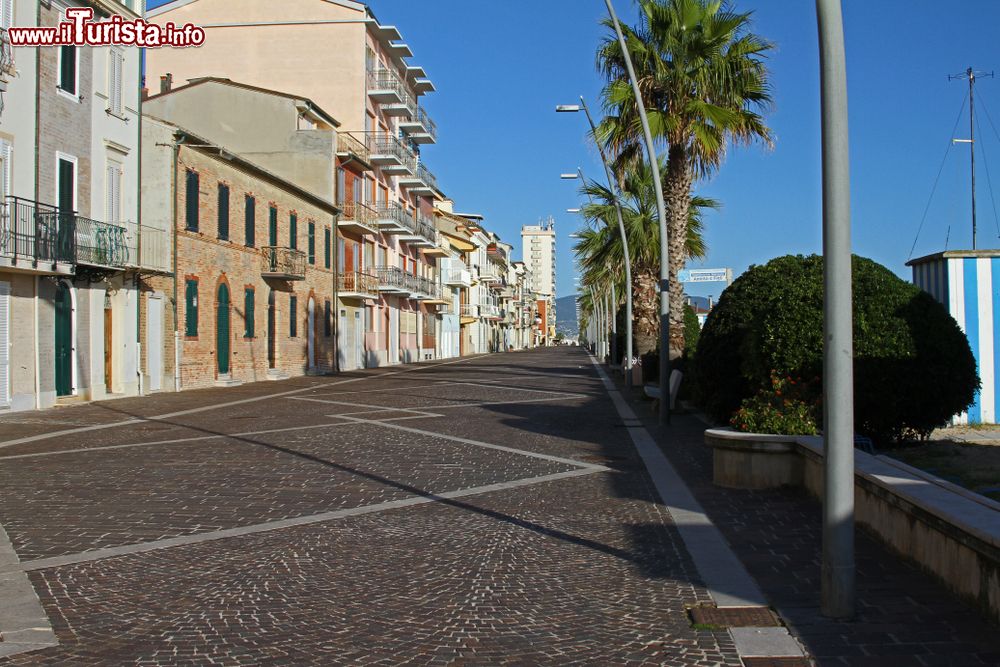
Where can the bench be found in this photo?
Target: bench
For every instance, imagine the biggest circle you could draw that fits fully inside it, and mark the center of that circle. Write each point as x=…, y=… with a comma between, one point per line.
x=653, y=391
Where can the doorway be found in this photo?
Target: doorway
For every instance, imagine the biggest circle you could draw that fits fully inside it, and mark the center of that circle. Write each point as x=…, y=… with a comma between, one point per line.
x=64, y=340
x=271, y=331
x=311, y=333
x=154, y=342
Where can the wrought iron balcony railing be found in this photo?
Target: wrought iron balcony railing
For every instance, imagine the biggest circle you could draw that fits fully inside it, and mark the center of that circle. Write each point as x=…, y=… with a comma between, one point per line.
x=384, y=144
x=360, y=214
x=469, y=310
x=356, y=282
x=383, y=82
x=103, y=244
x=425, y=228
x=392, y=278
x=283, y=263
x=425, y=175
x=393, y=215
x=348, y=144
x=35, y=232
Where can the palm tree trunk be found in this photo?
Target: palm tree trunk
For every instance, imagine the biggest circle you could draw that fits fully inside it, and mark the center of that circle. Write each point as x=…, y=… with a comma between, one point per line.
x=645, y=310
x=677, y=192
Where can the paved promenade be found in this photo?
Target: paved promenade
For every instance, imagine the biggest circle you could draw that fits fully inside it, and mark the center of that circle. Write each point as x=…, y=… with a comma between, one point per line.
x=488, y=510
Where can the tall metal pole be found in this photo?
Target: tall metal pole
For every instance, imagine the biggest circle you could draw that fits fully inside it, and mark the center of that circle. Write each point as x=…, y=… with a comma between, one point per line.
x=661, y=209
x=972, y=147
x=838, y=570
x=616, y=192
x=614, y=323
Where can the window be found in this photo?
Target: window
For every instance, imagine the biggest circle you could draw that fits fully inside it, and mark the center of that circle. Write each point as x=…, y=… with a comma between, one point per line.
x=223, y=211
x=191, y=199
x=191, y=307
x=272, y=226
x=116, y=66
x=68, y=70
x=327, y=320
x=293, y=321
x=248, y=312
x=293, y=231
x=341, y=185
x=66, y=186
x=113, y=198
x=326, y=247
x=250, y=220
x=312, y=242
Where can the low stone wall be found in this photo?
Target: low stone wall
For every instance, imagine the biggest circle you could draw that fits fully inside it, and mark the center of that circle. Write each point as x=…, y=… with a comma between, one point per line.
x=950, y=531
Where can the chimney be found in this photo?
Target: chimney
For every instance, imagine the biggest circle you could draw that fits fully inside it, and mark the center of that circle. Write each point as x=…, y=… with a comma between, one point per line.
x=166, y=83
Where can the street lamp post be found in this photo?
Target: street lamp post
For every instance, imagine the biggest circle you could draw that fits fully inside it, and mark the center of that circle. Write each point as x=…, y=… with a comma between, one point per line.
x=616, y=193
x=838, y=573
x=661, y=209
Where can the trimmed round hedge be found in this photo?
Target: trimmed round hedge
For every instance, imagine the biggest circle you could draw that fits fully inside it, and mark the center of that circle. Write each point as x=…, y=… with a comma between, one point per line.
x=913, y=368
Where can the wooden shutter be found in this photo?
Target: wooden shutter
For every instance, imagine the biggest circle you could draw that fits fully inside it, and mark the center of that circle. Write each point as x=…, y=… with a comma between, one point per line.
x=223, y=211
x=293, y=322
x=249, y=313
x=326, y=247
x=67, y=69
x=191, y=201
x=113, y=199
x=273, y=227
x=293, y=231
x=115, y=67
x=312, y=242
x=250, y=221
x=4, y=344
x=191, y=308
x=7, y=14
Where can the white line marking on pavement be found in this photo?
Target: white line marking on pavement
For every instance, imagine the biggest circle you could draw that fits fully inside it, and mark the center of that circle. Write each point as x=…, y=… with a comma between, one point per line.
x=477, y=443
x=727, y=581
x=142, y=547
x=218, y=406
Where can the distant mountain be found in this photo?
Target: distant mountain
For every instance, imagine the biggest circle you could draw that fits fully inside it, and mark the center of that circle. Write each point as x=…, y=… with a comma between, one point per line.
x=566, y=316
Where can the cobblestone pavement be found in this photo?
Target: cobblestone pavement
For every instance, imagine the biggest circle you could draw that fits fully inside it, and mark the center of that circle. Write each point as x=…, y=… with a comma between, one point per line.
x=904, y=619
x=481, y=512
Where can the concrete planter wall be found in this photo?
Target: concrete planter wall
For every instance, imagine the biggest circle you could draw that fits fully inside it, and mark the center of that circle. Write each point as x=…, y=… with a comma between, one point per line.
x=951, y=532
x=753, y=460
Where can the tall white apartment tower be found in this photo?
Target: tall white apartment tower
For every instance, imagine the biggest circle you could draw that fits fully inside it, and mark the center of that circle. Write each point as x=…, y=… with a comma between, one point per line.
x=539, y=244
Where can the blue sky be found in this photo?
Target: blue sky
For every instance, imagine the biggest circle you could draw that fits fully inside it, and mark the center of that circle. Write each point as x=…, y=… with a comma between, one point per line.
x=501, y=67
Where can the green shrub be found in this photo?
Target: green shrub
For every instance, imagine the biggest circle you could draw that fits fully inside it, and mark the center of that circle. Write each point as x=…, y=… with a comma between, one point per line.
x=789, y=406
x=913, y=368
x=692, y=331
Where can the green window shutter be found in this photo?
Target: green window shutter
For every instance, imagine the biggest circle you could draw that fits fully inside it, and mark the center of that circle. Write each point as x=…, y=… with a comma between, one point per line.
x=293, y=231
x=67, y=69
x=326, y=247
x=191, y=198
x=328, y=320
x=272, y=227
x=293, y=321
x=191, y=308
x=249, y=313
x=312, y=242
x=223, y=212
x=250, y=221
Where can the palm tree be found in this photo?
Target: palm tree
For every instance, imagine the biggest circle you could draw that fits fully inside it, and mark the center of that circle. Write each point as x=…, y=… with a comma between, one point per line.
x=601, y=256
x=704, y=84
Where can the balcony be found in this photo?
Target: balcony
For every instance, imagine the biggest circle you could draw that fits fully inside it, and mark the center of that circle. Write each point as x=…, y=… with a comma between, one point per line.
x=489, y=312
x=282, y=263
x=358, y=218
x=393, y=280
x=385, y=87
x=351, y=148
x=423, y=234
x=36, y=238
x=422, y=182
x=405, y=108
x=392, y=218
x=469, y=310
x=357, y=285
x=389, y=154
x=488, y=275
x=435, y=294
x=149, y=248
x=457, y=278
x=419, y=127
x=104, y=245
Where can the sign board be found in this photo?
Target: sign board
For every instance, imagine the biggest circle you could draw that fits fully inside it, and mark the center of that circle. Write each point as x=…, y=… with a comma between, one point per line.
x=705, y=276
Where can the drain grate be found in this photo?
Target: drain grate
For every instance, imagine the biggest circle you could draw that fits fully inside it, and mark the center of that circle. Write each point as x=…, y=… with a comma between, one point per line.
x=735, y=617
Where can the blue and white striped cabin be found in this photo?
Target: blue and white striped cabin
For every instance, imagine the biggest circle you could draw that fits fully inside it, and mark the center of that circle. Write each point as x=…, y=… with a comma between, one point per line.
x=967, y=282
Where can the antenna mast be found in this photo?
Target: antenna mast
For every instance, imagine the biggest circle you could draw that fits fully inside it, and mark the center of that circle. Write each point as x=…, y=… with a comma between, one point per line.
x=971, y=75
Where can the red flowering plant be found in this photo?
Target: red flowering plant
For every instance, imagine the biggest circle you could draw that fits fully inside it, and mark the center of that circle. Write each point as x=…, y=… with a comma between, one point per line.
x=789, y=406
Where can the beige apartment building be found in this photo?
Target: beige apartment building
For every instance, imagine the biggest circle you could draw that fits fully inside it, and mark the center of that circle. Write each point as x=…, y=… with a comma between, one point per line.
x=389, y=289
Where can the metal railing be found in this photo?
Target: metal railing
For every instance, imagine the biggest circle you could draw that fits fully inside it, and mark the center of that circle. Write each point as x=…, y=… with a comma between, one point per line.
x=6, y=53
x=104, y=244
x=38, y=232
x=383, y=143
x=425, y=228
x=425, y=175
x=358, y=283
x=383, y=79
x=469, y=310
x=359, y=212
x=394, y=211
x=348, y=143
x=283, y=262
x=393, y=276
x=430, y=288
x=424, y=118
